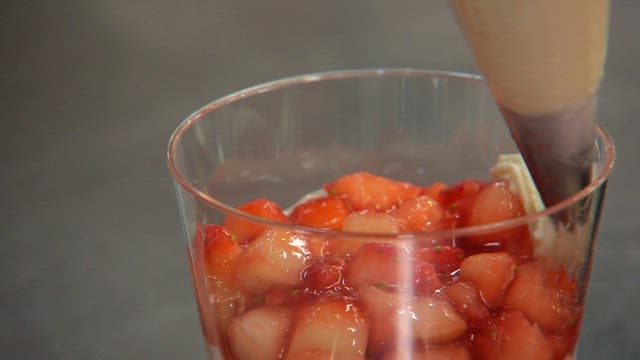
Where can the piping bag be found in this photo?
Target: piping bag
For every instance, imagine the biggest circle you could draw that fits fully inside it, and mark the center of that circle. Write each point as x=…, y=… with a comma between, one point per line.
x=543, y=61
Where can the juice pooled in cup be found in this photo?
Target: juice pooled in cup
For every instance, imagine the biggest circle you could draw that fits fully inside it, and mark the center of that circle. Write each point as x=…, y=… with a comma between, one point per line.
x=370, y=268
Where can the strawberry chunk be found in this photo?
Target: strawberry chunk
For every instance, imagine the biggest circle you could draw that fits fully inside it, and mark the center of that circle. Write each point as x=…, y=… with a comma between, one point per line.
x=495, y=203
x=490, y=274
x=384, y=309
x=273, y=259
x=465, y=189
x=513, y=337
x=259, y=333
x=371, y=223
x=319, y=245
x=394, y=268
x=398, y=319
x=565, y=344
x=325, y=213
x=361, y=223
x=466, y=300
x=445, y=259
x=245, y=231
x=365, y=191
x=545, y=296
x=281, y=296
x=426, y=278
x=420, y=214
x=435, y=191
x=521, y=247
x=330, y=329
x=458, y=200
x=220, y=252
x=447, y=352
x=324, y=274
x=381, y=265
x=443, y=352
x=436, y=320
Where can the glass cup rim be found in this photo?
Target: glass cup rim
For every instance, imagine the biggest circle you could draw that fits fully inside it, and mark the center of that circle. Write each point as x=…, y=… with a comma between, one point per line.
x=288, y=82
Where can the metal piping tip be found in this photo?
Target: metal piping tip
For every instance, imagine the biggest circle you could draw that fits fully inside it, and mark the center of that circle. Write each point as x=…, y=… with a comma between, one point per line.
x=558, y=148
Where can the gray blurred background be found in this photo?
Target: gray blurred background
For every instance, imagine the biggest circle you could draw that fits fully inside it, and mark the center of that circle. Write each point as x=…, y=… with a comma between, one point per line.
x=92, y=264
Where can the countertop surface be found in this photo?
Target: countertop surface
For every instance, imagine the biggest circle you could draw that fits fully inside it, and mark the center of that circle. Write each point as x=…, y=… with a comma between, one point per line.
x=92, y=264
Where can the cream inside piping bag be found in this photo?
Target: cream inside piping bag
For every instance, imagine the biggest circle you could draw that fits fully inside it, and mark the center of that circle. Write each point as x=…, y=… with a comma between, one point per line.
x=543, y=61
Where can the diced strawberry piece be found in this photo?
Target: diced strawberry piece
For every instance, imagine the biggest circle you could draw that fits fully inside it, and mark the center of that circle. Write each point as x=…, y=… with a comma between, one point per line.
x=219, y=303
x=345, y=245
x=462, y=190
x=420, y=214
x=244, y=230
x=380, y=265
x=363, y=223
x=426, y=278
x=548, y=298
x=436, y=320
x=485, y=343
x=275, y=258
x=280, y=296
x=564, y=345
x=208, y=319
x=513, y=337
x=466, y=300
x=197, y=244
x=397, y=319
x=315, y=354
x=496, y=203
x=220, y=251
x=289, y=295
x=319, y=245
x=259, y=333
x=458, y=200
x=558, y=279
x=330, y=329
x=365, y=191
x=388, y=265
x=446, y=259
x=521, y=248
x=324, y=274
x=215, y=279
x=435, y=191
x=446, y=352
x=490, y=274
x=199, y=273
x=371, y=223
x=440, y=352
x=325, y=213
x=389, y=329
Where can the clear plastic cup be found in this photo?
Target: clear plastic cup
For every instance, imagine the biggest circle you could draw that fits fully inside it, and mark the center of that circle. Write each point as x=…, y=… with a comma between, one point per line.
x=268, y=288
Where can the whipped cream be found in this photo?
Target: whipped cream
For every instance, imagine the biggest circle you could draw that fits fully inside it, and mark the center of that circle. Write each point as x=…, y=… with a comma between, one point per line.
x=511, y=167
